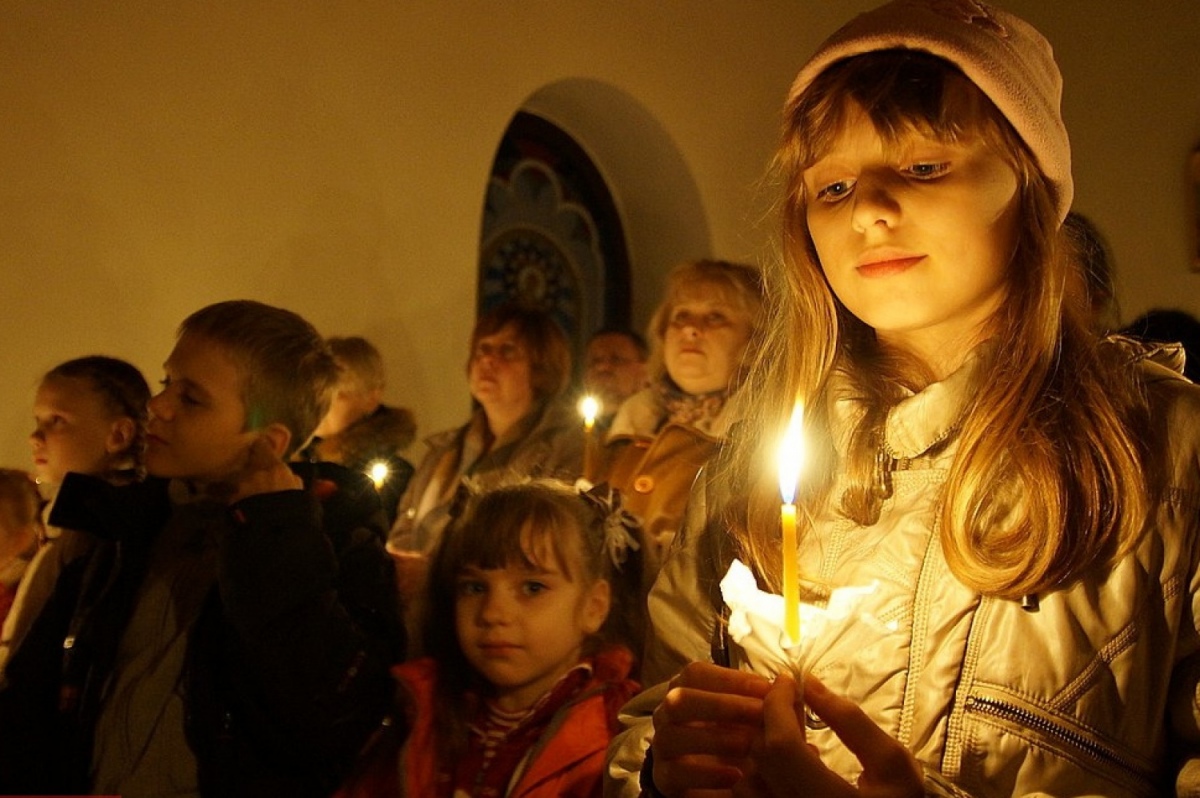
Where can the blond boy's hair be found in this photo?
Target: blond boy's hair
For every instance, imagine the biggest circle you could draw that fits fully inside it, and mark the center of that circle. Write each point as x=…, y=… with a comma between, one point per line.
x=287, y=372
x=360, y=364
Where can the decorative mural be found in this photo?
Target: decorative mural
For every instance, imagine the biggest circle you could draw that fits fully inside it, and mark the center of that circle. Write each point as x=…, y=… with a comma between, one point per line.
x=551, y=237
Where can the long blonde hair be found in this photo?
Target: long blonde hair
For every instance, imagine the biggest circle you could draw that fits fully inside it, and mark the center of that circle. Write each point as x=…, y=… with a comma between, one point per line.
x=1054, y=419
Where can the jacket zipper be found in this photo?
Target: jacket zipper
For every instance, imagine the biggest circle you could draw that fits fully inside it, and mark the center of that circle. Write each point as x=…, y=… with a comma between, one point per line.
x=1029, y=720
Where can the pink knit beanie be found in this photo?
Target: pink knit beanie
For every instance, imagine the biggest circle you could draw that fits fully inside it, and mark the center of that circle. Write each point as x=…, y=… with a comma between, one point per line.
x=1000, y=53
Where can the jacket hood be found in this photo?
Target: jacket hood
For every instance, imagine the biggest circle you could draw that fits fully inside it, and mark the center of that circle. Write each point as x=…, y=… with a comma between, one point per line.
x=383, y=434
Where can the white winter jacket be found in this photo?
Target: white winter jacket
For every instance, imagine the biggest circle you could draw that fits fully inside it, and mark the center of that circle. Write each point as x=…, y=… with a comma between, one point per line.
x=1092, y=690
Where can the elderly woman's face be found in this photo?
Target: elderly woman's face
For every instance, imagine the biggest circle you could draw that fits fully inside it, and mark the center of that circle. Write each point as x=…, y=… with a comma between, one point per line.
x=704, y=340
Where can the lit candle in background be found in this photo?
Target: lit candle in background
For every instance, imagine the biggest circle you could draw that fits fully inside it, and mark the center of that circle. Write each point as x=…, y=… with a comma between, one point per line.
x=378, y=472
x=589, y=408
x=791, y=459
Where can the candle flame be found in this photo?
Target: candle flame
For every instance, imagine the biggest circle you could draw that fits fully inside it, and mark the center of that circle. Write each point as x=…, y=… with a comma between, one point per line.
x=791, y=454
x=378, y=472
x=589, y=408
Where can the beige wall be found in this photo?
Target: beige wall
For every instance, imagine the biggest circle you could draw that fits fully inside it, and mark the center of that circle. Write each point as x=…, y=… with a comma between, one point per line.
x=331, y=157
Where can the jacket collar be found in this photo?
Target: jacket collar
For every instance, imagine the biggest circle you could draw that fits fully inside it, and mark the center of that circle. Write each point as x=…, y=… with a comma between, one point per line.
x=919, y=422
x=1159, y=360
x=111, y=511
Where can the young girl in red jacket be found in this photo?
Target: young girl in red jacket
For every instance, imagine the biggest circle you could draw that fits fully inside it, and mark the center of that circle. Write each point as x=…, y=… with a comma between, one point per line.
x=518, y=696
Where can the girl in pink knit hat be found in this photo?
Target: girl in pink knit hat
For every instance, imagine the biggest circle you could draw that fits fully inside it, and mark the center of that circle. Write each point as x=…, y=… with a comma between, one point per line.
x=999, y=512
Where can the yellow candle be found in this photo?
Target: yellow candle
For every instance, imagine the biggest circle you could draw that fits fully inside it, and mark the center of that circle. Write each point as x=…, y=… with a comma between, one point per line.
x=791, y=580
x=589, y=407
x=791, y=459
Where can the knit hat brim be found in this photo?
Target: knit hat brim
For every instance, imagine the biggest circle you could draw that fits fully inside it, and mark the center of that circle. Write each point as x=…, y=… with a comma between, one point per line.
x=1006, y=57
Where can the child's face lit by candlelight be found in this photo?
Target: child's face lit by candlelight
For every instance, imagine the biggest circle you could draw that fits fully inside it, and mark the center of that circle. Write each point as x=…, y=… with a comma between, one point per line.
x=522, y=628
x=915, y=237
x=197, y=429
x=73, y=430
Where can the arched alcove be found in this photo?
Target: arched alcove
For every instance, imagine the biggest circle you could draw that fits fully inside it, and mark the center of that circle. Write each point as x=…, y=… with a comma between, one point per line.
x=655, y=195
x=551, y=237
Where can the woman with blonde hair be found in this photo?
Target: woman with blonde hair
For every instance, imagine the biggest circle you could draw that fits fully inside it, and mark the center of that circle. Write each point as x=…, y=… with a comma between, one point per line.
x=662, y=436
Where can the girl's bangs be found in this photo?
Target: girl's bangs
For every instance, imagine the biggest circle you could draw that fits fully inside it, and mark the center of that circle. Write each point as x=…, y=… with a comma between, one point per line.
x=902, y=92
x=508, y=529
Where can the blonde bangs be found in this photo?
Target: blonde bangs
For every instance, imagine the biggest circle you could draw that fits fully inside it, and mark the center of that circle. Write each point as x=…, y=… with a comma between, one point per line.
x=902, y=92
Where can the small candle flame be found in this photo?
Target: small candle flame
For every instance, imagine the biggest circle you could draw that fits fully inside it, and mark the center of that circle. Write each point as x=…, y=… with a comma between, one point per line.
x=378, y=472
x=589, y=408
x=791, y=454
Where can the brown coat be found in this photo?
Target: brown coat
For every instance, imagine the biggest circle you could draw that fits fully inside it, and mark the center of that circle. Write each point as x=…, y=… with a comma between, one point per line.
x=653, y=463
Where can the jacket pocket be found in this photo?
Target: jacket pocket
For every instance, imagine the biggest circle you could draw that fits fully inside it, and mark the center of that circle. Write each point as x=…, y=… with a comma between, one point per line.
x=1062, y=735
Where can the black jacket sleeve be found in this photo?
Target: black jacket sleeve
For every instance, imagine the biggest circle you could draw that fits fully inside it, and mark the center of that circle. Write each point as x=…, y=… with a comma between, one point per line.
x=291, y=660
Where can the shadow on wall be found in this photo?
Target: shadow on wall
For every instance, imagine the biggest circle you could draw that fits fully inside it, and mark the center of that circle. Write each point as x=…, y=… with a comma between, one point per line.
x=653, y=188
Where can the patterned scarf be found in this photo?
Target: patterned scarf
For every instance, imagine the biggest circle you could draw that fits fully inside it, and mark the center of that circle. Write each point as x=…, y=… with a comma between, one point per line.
x=693, y=410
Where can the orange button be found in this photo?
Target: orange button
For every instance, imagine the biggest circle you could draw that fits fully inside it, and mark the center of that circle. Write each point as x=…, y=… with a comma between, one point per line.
x=643, y=484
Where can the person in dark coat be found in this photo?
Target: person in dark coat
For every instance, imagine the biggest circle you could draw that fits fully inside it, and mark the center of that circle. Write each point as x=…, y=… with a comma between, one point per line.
x=231, y=632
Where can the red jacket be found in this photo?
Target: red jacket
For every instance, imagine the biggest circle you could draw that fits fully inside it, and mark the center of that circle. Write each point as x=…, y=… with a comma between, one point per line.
x=569, y=762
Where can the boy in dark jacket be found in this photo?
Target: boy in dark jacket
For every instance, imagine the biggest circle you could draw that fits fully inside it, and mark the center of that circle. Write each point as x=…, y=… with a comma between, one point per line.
x=232, y=631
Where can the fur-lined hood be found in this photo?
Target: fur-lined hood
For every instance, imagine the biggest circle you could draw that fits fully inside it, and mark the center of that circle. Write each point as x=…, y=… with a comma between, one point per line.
x=383, y=434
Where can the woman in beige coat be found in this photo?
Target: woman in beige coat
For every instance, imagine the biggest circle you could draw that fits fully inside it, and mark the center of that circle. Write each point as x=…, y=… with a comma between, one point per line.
x=662, y=435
